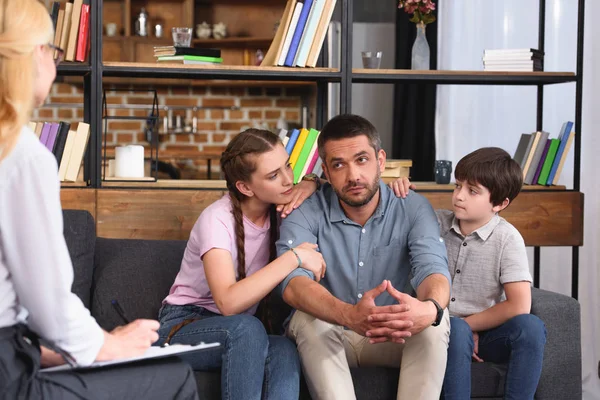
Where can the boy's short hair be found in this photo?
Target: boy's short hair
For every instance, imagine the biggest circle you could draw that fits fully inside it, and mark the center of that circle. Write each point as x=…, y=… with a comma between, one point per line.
x=346, y=126
x=494, y=169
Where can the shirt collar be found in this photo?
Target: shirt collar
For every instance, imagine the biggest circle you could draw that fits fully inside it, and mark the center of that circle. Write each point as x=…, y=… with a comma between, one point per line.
x=336, y=212
x=483, y=232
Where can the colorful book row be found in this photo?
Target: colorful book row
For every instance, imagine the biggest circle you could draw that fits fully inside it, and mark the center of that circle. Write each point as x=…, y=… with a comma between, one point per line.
x=71, y=28
x=300, y=35
x=301, y=145
x=68, y=146
x=541, y=158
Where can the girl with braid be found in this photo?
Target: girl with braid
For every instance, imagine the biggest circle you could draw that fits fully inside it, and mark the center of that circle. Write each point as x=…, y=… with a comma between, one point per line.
x=229, y=266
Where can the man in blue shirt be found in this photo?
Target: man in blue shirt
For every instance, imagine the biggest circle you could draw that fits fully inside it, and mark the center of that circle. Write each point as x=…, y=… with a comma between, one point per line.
x=377, y=248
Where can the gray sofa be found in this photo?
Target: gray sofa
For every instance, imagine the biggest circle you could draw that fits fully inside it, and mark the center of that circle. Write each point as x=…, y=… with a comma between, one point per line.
x=139, y=273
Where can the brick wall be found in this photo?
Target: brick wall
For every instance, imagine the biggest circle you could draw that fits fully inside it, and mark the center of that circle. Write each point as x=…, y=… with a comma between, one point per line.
x=215, y=127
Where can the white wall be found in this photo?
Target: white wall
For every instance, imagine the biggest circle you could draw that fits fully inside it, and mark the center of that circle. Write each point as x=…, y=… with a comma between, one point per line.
x=469, y=117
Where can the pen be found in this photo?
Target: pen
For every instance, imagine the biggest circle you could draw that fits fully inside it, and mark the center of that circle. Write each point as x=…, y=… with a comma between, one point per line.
x=120, y=311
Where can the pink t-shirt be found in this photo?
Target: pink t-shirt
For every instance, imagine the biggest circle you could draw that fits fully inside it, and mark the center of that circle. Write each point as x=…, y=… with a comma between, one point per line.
x=215, y=229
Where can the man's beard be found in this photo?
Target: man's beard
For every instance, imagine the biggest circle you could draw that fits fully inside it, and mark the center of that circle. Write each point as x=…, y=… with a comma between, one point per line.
x=353, y=202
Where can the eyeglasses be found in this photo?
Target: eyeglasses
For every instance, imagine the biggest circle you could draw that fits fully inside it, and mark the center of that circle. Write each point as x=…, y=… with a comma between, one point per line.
x=59, y=54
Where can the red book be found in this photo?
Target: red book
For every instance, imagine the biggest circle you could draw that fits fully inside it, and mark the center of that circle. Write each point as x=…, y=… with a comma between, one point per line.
x=84, y=27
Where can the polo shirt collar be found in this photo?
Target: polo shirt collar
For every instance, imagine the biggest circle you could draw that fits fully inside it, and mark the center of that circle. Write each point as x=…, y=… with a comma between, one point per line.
x=483, y=232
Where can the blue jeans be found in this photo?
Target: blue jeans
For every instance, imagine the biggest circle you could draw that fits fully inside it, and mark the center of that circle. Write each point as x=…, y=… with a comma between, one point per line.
x=253, y=365
x=519, y=342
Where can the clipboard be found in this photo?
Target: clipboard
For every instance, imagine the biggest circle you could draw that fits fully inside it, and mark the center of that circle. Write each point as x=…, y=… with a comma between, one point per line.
x=152, y=353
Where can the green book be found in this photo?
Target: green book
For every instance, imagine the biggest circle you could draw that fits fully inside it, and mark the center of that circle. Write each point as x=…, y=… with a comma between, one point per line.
x=304, y=153
x=554, y=143
x=191, y=58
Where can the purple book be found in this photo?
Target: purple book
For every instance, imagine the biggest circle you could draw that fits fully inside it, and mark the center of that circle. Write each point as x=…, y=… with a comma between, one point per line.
x=541, y=164
x=52, y=136
x=45, y=132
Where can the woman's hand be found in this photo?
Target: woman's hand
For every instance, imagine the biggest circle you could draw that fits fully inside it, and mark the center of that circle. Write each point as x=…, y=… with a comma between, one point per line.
x=300, y=192
x=312, y=260
x=401, y=187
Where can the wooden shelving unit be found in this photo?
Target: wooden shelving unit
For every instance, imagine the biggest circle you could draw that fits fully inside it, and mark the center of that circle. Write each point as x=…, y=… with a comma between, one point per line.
x=545, y=216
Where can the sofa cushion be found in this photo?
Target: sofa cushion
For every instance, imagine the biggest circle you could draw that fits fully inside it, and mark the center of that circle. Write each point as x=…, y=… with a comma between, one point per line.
x=80, y=234
x=137, y=273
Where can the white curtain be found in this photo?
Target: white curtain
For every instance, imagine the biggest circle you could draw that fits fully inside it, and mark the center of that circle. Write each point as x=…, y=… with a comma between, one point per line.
x=469, y=117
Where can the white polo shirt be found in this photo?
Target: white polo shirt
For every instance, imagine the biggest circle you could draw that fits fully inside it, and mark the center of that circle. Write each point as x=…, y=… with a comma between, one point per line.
x=482, y=262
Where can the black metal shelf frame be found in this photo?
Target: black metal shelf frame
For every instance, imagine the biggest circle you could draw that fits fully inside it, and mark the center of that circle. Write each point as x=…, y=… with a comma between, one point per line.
x=95, y=70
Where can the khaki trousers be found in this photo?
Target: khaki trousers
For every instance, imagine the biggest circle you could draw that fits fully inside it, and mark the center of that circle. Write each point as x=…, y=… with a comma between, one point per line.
x=327, y=352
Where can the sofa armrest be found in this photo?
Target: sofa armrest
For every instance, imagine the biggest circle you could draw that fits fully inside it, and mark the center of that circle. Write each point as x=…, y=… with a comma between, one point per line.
x=561, y=371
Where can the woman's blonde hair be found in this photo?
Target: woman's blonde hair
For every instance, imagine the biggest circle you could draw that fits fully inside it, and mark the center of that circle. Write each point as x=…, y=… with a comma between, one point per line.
x=24, y=24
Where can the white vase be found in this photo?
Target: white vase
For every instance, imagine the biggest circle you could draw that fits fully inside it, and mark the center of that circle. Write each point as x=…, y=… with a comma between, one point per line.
x=420, y=50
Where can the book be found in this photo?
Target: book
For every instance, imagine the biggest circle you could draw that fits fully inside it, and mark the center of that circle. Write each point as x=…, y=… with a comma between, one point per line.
x=290, y=32
x=54, y=14
x=282, y=133
x=538, y=171
x=312, y=158
x=61, y=141
x=81, y=139
x=304, y=153
x=52, y=136
x=72, y=43
x=191, y=58
x=531, y=153
x=276, y=46
x=66, y=28
x=523, y=149
x=292, y=142
x=319, y=38
x=64, y=161
x=309, y=33
x=554, y=143
x=152, y=353
x=186, y=51
x=44, y=133
x=505, y=52
x=318, y=170
x=84, y=26
x=187, y=62
x=300, y=26
x=537, y=156
x=38, y=129
x=563, y=137
x=298, y=146
x=563, y=157
x=312, y=166
x=58, y=31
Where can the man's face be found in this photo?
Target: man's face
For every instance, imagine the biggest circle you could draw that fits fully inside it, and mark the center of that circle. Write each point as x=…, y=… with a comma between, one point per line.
x=353, y=169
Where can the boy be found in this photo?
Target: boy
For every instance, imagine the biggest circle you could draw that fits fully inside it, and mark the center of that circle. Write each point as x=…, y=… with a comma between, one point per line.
x=491, y=295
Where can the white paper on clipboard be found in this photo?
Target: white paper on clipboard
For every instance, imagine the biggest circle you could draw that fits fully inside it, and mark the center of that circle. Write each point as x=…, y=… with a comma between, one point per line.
x=151, y=353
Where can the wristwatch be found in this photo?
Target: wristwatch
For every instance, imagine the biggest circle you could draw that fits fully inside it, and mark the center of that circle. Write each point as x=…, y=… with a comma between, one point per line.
x=313, y=178
x=440, y=312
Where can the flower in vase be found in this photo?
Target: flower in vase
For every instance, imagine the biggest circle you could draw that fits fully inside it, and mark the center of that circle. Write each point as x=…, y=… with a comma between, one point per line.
x=421, y=10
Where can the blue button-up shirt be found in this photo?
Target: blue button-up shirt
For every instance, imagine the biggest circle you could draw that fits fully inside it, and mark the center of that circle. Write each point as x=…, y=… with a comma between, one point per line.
x=400, y=242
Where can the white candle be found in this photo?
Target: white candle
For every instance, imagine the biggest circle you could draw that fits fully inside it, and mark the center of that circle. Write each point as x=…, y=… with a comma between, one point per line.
x=129, y=161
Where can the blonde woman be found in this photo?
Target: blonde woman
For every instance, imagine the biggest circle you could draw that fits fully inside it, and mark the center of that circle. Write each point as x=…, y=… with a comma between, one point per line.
x=36, y=303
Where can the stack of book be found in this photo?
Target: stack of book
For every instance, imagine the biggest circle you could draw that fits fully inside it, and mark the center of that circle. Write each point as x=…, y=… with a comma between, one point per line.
x=513, y=60
x=300, y=35
x=187, y=55
x=71, y=28
x=68, y=146
x=542, y=159
x=301, y=145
